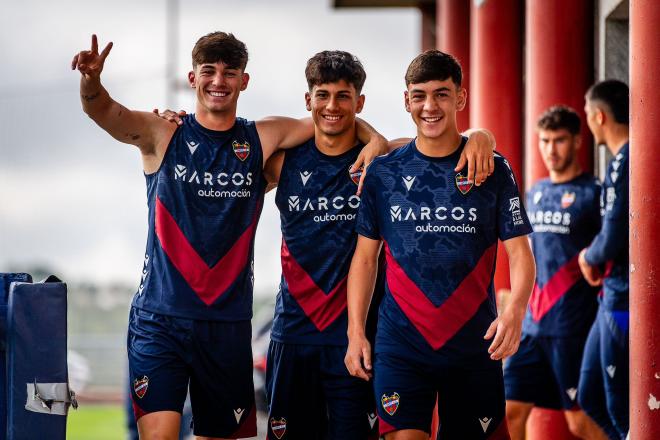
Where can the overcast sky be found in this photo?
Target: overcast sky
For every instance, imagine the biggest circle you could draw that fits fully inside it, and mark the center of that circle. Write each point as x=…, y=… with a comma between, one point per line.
x=74, y=199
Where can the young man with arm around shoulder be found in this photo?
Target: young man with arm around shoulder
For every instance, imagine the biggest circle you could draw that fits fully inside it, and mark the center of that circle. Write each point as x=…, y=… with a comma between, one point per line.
x=189, y=327
x=565, y=214
x=440, y=235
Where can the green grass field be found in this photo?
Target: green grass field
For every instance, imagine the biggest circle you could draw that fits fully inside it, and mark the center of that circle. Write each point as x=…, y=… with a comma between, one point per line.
x=96, y=422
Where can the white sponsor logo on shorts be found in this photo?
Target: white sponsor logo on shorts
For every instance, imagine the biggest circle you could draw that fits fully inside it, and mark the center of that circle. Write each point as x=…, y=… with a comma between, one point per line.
x=238, y=412
x=572, y=392
x=485, y=422
x=611, y=369
x=372, y=419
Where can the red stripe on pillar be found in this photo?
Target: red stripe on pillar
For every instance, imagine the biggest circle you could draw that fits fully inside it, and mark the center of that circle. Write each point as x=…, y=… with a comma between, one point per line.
x=644, y=220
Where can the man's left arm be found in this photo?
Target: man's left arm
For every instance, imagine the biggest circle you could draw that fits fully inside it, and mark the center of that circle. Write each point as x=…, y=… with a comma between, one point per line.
x=507, y=327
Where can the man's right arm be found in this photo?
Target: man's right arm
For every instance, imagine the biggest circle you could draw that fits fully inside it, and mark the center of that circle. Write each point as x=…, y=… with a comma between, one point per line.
x=145, y=130
x=361, y=282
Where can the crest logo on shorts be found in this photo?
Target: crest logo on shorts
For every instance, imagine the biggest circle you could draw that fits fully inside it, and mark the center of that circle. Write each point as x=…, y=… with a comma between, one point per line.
x=242, y=151
x=355, y=176
x=463, y=184
x=140, y=386
x=278, y=427
x=567, y=199
x=390, y=403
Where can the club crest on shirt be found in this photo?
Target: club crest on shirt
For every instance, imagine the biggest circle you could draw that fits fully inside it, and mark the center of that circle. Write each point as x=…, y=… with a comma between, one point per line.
x=355, y=176
x=242, y=151
x=567, y=199
x=140, y=386
x=390, y=403
x=278, y=426
x=463, y=184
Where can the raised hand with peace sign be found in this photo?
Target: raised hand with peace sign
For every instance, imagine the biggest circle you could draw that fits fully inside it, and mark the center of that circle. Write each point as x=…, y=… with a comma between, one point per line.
x=90, y=62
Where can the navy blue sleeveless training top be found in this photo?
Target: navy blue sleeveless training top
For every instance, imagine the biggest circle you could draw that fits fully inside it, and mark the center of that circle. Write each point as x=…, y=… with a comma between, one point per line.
x=204, y=205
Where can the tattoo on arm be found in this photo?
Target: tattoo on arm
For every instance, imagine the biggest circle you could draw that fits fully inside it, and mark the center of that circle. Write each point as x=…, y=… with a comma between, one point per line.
x=133, y=136
x=91, y=97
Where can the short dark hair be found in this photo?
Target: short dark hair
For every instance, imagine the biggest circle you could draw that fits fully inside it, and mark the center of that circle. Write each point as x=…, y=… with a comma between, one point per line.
x=614, y=95
x=220, y=47
x=332, y=66
x=558, y=117
x=434, y=65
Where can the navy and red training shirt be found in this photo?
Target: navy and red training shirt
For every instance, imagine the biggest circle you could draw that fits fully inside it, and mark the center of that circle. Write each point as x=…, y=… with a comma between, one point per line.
x=610, y=247
x=204, y=205
x=440, y=236
x=318, y=211
x=565, y=218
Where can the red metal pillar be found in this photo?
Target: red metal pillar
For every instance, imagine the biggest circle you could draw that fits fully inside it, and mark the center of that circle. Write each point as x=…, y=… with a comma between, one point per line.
x=496, y=85
x=428, y=30
x=644, y=220
x=453, y=37
x=559, y=69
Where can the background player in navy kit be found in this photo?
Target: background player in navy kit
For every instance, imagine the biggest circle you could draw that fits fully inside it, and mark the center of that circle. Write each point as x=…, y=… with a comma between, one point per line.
x=603, y=390
x=311, y=394
x=205, y=189
x=565, y=214
x=440, y=234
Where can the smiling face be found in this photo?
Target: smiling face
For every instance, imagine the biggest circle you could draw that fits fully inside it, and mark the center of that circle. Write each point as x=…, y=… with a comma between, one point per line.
x=334, y=106
x=217, y=87
x=433, y=106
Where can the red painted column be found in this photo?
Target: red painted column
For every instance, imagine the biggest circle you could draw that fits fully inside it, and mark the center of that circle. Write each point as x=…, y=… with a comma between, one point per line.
x=453, y=37
x=644, y=220
x=496, y=65
x=558, y=70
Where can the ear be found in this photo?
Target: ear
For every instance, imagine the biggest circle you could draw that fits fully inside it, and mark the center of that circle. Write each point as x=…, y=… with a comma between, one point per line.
x=360, y=104
x=308, y=101
x=601, y=116
x=191, y=79
x=461, y=99
x=405, y=101
x=245, y=79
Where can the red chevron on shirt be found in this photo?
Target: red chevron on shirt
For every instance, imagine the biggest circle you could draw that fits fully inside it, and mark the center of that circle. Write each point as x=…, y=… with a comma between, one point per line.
x=208, y=282
x=321, y=308
x=438, y=324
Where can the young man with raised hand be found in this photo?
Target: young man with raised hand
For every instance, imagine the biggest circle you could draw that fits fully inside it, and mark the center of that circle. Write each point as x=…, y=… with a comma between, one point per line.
x=603, y=390
x=565, y=214
x=440, y=236
x=189, y=327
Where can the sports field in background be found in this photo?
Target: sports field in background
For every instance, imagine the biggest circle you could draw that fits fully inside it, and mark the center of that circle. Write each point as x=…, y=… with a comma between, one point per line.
x=96, y=422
